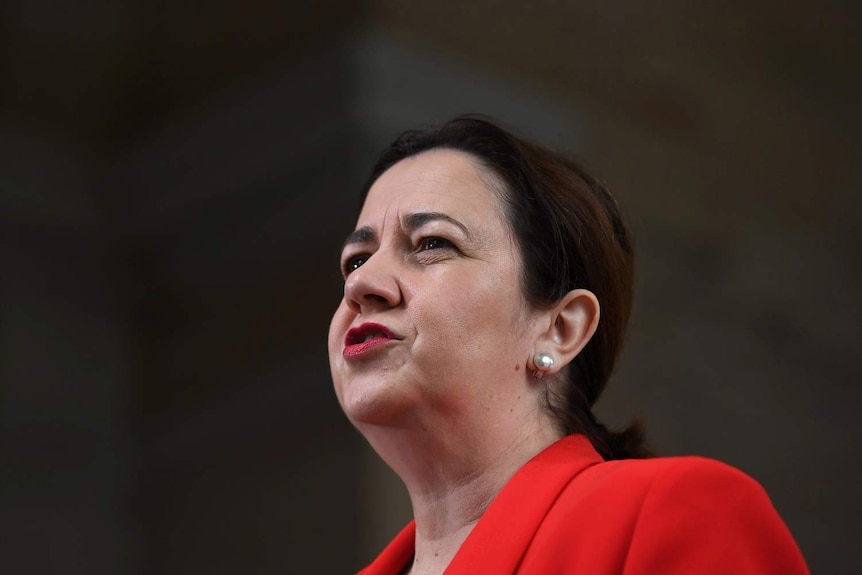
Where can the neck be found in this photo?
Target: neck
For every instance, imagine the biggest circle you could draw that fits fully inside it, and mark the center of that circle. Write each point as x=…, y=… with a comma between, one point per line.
x=452, y=477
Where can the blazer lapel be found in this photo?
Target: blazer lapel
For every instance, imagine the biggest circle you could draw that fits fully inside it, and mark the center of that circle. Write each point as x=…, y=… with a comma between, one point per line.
x=395, y=557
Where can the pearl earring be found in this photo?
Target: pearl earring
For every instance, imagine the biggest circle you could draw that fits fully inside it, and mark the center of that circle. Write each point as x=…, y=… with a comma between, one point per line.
x=543, y=362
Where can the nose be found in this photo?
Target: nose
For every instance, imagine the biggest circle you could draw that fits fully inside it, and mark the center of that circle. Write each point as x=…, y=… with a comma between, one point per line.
x=373, y=286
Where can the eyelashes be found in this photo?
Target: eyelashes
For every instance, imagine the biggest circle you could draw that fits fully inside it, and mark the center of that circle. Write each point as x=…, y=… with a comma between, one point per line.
x=425, y=245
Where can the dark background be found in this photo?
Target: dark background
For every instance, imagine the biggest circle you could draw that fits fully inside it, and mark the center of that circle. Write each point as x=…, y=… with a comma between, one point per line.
x=176, y=179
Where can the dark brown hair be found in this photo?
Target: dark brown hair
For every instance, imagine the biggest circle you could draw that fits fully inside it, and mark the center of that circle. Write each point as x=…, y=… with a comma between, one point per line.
x=571, y=235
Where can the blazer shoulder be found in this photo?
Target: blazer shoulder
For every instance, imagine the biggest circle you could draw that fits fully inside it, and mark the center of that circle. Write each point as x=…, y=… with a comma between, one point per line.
x=688, y=473
x=708, y=517
x=693, y=472
x=688, y=488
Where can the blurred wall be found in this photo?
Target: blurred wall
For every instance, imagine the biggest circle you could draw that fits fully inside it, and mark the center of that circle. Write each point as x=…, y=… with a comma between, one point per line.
x=176, y=184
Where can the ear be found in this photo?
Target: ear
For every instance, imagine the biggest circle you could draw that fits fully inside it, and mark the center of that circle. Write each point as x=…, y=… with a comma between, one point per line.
x=571, y=324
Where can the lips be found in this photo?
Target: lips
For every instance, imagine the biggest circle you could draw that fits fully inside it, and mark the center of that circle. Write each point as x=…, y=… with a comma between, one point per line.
x=361, y=340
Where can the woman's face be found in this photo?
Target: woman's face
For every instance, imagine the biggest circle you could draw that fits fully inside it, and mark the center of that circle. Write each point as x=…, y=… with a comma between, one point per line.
x=433, y=320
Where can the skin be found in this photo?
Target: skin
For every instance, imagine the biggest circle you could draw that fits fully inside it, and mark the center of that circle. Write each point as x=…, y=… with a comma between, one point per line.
x=449, y=403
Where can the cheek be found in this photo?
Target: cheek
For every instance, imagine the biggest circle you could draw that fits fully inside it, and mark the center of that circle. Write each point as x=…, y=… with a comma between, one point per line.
x=337, y=330
x=340, y=321
x=480, y=326
x=332, y=336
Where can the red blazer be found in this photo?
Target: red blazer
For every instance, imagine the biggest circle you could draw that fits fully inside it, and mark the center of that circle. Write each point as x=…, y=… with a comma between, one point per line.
x=568, y=511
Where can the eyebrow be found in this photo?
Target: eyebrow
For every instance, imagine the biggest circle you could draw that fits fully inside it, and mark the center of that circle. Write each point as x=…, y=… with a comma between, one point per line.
x=412, y=222
x=359, y=236
x=417, y=220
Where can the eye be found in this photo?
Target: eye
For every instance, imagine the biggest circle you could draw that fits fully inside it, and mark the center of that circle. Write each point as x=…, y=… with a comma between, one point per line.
x=434, y=243
x=351, y=264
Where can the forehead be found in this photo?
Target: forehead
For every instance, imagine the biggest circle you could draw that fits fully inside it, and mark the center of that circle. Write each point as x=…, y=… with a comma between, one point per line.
x=446, y=181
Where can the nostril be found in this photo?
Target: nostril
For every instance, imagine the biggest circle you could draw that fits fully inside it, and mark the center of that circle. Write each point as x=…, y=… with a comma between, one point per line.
x=376, y=298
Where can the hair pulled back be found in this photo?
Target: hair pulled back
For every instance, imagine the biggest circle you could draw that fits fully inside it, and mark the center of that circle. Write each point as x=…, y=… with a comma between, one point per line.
x=571, y=235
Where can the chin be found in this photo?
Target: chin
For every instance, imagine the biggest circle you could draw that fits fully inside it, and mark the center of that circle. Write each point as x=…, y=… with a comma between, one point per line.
x=373, y=404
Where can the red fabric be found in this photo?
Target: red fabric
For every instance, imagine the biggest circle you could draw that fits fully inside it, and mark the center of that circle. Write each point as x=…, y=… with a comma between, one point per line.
x=567, y=511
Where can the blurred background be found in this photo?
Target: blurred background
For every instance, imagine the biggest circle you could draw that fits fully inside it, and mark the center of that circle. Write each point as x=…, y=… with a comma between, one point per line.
x=176, y=179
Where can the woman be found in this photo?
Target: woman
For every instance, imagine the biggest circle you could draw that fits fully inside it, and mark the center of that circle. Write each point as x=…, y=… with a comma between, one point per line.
x=487, y=288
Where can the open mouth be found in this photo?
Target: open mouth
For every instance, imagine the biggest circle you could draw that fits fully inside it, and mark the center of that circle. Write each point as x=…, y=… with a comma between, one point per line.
x=367, y=332
x=366, y=338
x=361, y=340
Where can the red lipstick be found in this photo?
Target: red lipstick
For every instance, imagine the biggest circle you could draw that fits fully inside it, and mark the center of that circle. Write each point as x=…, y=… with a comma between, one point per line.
x=362, y=339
